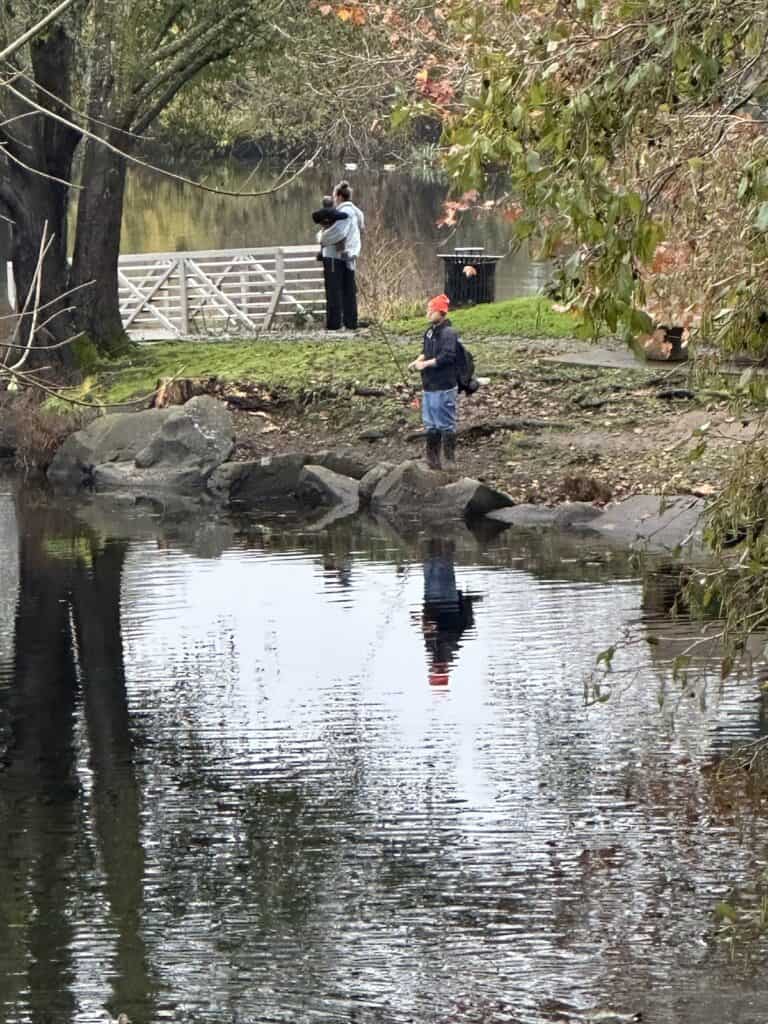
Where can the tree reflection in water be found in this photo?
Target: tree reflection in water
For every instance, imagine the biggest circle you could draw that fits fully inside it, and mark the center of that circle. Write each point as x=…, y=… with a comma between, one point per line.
x=276, y=831
x=68, y=703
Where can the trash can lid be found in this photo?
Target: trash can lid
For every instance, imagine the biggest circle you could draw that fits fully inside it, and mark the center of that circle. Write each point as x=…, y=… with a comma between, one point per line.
x=474, y=254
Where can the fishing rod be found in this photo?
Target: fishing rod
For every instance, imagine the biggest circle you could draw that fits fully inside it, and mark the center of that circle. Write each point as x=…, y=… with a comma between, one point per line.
x=379, y=326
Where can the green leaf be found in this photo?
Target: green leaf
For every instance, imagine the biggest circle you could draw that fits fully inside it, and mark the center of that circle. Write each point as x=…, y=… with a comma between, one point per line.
x=761, y=221
x=725, y=911
x=606, y=657
x=680, y=664
x=635, y=202
x=524, y=228
x=533, y=162
x=697, y=451
x=400, y=116
x=640, y=322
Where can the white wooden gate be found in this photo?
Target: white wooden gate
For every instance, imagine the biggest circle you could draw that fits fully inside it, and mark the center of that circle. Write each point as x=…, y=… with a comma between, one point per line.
x=217, y=293
x=220, y=292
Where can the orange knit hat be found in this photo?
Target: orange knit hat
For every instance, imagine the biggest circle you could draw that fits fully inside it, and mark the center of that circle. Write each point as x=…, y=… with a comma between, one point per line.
x=439, y=304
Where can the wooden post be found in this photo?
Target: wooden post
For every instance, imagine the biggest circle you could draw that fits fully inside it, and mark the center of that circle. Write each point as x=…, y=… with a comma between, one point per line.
x=184, y=297
x=244, y=290
x=279, y=286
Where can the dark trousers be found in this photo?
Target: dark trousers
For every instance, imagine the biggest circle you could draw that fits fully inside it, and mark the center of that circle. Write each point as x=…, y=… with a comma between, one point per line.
x=340, y=295
x=332, y=276
x=348, y=297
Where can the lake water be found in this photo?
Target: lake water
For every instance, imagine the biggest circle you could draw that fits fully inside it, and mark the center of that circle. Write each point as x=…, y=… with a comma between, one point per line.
x=255, y=773
x=164, y=215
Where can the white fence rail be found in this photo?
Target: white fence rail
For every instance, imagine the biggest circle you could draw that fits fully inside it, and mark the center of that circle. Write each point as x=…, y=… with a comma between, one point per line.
x=218, y=293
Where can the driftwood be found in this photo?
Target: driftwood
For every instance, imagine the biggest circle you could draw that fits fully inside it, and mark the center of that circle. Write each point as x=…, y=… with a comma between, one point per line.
x=250, y=403
x=178, y=390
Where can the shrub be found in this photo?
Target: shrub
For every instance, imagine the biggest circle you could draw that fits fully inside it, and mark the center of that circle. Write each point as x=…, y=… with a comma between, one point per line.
x=41, y=432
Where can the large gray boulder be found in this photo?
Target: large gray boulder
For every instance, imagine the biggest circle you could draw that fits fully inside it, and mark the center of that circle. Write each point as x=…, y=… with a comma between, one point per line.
x=570, y=513
x=645, y=522
x=274, y=478
x=172, y=450
x=118, y=437
x=371, y=480
x=344, y=461
x=652, y=522
x=319, y=487
x=411, y=491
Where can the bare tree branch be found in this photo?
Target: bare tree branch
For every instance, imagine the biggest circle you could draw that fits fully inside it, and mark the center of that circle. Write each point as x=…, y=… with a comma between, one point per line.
x=161, y=170
x=34, y=30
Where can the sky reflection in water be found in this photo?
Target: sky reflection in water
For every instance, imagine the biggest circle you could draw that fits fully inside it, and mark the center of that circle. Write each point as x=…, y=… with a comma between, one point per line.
x=348, y=777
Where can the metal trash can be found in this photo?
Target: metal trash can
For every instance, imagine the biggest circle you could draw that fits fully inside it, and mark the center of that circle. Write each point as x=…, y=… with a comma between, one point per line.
x=470, y=275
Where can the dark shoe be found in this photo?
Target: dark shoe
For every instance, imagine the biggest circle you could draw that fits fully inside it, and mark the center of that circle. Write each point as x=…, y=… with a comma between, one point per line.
x=433, y=449
x=449, y=449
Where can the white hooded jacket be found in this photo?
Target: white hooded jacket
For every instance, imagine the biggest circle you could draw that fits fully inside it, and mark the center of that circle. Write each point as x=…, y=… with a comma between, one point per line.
x=347, y=231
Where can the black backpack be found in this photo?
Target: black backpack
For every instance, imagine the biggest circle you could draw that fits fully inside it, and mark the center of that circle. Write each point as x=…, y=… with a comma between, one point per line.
x=465, y=370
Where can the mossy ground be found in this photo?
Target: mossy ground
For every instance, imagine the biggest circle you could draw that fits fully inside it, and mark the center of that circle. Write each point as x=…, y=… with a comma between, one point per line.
x=377, y=356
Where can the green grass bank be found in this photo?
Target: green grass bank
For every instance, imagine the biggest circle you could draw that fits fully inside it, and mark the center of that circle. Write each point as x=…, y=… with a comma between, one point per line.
x=530, y=317
x=304, y=361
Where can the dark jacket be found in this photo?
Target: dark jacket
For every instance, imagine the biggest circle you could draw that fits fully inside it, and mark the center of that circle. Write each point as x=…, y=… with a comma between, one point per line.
x=440, y=343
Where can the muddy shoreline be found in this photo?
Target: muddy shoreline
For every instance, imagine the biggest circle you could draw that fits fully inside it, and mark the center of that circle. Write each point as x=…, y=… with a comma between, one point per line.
x=540, y=430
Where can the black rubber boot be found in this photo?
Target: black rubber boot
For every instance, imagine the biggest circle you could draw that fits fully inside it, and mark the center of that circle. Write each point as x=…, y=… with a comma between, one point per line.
x=449, y=449
x=433, y=449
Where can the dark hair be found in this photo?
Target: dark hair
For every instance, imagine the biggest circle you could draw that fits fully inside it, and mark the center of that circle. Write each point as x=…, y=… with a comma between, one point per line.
x=327, y=201
x=343, y=190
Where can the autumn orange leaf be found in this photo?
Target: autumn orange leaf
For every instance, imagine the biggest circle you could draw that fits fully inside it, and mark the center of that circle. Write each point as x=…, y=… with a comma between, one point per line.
x=513, y=213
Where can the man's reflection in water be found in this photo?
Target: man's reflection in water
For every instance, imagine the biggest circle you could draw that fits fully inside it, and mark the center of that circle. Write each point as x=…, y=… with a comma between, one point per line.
x=446, y=613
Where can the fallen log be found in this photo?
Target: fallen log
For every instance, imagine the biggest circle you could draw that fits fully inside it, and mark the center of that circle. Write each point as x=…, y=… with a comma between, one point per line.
x=670, y=393
x=250, y=403
x=178, y=390
x=366, y=392
x=474, y=430
x=489, y=427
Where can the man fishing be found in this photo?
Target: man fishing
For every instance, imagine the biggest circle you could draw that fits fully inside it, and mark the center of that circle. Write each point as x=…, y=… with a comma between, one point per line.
x=438, y=365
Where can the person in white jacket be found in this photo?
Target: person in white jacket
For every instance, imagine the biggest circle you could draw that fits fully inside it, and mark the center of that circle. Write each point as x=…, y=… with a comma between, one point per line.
x=335, y=222
x=347, y=236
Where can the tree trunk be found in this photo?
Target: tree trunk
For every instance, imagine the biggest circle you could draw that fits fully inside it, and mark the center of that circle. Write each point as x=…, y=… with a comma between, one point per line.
x=97, y=247
x=47, y=148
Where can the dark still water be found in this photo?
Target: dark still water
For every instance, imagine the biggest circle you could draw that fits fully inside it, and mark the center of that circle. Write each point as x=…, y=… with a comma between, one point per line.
x=254, y=774
x=163, y=215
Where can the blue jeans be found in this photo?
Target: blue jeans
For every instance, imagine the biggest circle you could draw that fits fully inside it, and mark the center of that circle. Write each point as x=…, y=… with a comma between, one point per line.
x=438, y=409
